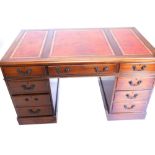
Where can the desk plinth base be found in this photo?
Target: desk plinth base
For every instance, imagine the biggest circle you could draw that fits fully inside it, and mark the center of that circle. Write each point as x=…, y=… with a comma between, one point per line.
x=37, y=120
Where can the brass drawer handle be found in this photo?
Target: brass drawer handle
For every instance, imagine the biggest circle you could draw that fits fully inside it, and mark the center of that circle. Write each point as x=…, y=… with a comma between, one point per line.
x=26, y=73
x=34, y=111
x=139, y=67
x=31, y=87
x=106, y=68
x=66, y=70
x=131, y=83
x=131, y=97
x=127, y=107
x=27, y=99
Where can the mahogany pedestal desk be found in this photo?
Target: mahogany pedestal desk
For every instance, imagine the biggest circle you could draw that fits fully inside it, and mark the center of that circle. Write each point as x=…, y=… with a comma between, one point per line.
x=38, y=58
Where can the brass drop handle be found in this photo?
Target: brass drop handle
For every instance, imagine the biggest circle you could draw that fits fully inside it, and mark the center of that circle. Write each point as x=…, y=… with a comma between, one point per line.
x=131, y=97
x=32, y=111
x=139, y=67
x=66, y=70
x=129, y=107
x=24, y=73
x=58, y=70
x=131, y=83
x=106, y=68
x=25, y=87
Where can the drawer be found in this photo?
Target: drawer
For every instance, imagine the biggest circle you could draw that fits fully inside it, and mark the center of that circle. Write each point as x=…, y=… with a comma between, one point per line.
x=26, y=71
x=26, y=87
x=132, y=95
x=137, y=67
x=136, y=83
x=34, y=111
x=79, y=70
x=31, y=100
x=129, y=107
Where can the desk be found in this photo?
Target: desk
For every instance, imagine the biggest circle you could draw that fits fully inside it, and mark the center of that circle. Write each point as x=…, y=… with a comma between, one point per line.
x=121, y=58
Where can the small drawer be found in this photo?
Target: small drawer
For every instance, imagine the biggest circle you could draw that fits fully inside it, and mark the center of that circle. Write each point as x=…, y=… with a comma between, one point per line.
x=132, y=95
x=139, y=83
x=34, y=111
x=137, y=67
x=27, y=71
x=31, y=100
x=129, y=107
x=26, y=87
x=81, y=70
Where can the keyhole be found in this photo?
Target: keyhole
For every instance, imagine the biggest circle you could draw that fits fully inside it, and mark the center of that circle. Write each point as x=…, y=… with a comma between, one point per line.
x=36, y=99
x=26, y=99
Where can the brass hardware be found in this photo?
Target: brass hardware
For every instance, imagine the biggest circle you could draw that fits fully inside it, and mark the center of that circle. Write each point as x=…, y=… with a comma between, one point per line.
x=67, y=69
x=24, y=73
x=26, y=99
x=131, y=97
x=106, y=68
x=127, y=107
x=34, y=111
x=58, y=70
x=138, y=67
x=131, y=83
x=36, y=99
x=31, y=87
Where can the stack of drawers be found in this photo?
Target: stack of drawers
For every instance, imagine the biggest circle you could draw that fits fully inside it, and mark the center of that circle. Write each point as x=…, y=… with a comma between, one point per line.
x=30, y=92
x=132, y=92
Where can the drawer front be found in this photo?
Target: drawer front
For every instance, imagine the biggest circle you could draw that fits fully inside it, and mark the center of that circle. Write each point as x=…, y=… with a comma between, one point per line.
x=79, y=70
x=132, y=95
x=139, y=83
x=137, y=67
x=26, y=71
x=129, y=107
x=26, y=87
x=34, y=111
x=31, y=100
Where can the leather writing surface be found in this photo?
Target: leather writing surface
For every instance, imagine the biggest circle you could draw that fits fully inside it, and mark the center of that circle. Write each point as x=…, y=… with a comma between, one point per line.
x=129, y=43
x=30, y=45
x=80, y=43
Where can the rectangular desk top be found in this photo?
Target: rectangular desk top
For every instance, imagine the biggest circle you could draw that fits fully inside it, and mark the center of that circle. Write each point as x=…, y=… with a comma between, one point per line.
x=39, y=47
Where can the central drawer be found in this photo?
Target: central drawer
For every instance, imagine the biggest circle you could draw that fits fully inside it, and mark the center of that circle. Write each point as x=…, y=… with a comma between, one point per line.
x=81, y=70
x=132, y=95
x=31, y=100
